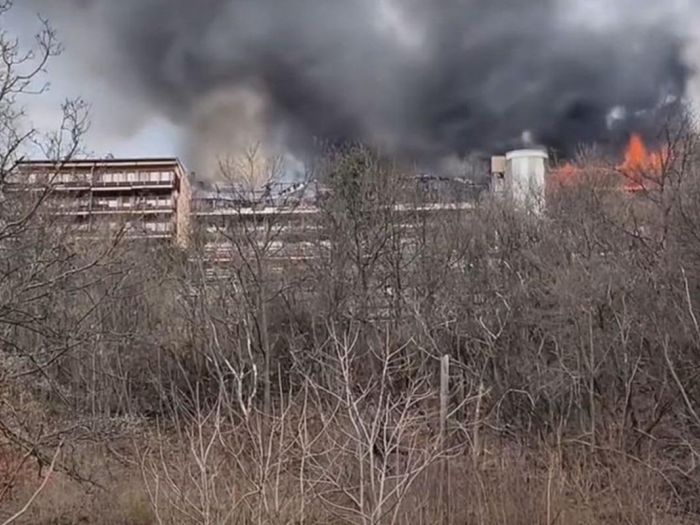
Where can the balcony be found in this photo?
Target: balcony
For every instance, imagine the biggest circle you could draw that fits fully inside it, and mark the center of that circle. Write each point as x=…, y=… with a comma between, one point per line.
x=135, y=179
x=80, y=209
x=72, y=185
x=65, y=206
x=132, y=230
x=102, y=208
x=111, y=185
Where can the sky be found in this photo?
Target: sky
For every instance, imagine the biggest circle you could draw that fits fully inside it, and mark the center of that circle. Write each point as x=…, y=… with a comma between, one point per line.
x=78, y=73
x=429, y=81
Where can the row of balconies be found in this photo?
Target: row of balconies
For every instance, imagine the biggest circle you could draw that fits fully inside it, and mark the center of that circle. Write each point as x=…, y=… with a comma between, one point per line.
x=103, y=180
x=114, y=205
x=132, y=228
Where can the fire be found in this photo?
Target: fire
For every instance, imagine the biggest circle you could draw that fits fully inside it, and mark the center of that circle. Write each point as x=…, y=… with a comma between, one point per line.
x=636, y=154
x=565, y=175
x=641, y=167
x=639, y=170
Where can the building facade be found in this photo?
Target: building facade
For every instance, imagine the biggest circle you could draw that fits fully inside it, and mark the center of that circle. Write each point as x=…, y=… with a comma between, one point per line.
x=144, y=198
x=154, y=199
x=292, y=226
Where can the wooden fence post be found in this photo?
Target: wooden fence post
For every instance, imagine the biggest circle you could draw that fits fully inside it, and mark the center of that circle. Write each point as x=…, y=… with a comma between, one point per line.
x=444, y=406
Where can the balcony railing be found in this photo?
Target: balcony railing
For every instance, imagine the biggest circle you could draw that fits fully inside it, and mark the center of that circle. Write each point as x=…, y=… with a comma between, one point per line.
x=134, y=208
x=70, y=184
x=82, y=208
x=132, y=183
x=159, y=229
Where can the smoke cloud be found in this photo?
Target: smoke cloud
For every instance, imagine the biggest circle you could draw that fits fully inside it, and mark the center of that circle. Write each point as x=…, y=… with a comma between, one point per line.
x=423, y=80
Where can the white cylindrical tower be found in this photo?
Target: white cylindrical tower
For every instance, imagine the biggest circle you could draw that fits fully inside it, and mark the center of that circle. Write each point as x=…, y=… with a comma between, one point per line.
x=525, y=177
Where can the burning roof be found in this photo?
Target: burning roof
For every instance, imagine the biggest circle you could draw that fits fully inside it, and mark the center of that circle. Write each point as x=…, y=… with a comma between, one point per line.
x=639, y=169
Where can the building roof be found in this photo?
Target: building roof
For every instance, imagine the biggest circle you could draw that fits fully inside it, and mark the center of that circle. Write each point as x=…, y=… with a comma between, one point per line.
x=104, y=163
x=134, y=160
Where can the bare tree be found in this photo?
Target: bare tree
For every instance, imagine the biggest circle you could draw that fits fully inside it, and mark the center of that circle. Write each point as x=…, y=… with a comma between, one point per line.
x=38, y=271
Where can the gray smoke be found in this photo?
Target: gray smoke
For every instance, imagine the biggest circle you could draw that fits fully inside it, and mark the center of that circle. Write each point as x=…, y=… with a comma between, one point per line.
x=428, y=80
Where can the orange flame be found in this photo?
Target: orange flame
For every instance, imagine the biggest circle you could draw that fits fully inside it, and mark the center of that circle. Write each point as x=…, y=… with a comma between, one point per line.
x=640, y=168
x=565, y=175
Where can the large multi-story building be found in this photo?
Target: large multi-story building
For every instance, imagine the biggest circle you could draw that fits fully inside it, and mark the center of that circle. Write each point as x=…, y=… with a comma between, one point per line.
x=145, y=198
x=153, y=199
x=279, y=221
x=289, y=226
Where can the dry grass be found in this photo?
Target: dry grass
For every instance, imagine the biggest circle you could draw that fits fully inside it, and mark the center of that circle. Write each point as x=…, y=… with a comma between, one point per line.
x=120, y=501
x=532, y=487
x=506, y=487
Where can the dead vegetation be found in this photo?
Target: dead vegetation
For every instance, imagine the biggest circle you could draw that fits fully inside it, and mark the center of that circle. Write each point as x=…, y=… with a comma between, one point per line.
x=136, y=389
x=314, y=397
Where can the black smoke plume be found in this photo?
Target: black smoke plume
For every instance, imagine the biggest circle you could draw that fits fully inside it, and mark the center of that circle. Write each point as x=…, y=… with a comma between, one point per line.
x=426, y=80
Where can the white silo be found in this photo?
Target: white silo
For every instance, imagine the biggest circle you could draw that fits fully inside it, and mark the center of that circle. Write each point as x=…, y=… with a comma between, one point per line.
x=525, y=177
